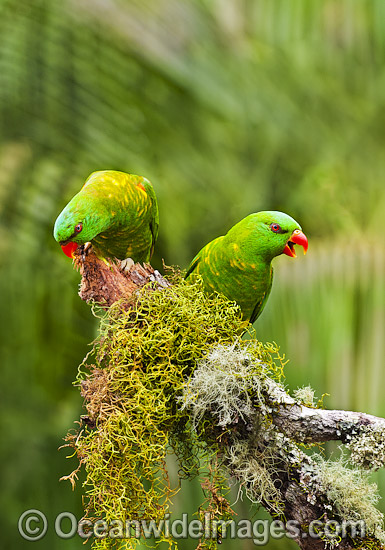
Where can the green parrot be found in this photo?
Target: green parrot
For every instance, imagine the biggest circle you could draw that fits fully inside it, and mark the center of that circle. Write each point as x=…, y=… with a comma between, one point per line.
x=116, y=212
x=238, y=264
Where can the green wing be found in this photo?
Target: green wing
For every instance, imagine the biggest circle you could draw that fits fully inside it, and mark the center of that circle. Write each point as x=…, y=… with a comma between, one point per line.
x=262, y=302
x=193, y=265
x=154, y=224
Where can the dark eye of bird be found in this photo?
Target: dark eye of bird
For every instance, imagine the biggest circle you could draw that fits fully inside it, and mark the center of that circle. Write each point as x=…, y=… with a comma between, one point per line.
x=276, y=228
x=78, y=227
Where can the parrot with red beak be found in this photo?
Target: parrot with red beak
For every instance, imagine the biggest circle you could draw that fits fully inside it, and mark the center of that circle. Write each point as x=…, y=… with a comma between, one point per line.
x=238, y=264
x=116, y=212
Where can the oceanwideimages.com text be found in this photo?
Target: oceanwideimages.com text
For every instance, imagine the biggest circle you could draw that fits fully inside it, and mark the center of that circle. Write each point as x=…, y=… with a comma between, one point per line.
x=33, y=525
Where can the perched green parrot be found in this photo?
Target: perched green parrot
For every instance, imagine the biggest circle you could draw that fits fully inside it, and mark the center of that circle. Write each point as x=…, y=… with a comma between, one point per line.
x=116, y=212
x=238, y=264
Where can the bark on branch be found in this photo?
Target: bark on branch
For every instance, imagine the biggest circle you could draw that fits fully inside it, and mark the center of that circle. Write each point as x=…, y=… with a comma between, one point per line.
x=105, y=283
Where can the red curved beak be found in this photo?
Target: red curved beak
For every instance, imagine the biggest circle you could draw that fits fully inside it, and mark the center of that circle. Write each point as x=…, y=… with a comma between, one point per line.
x=69, y=249
x=297, y=238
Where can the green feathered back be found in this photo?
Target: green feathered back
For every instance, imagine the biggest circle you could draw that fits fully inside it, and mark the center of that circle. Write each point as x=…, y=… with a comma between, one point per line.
x=118, y=213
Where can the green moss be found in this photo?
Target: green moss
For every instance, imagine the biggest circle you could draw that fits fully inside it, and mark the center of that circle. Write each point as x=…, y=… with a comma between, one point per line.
x=170, y=372
x=145, y=351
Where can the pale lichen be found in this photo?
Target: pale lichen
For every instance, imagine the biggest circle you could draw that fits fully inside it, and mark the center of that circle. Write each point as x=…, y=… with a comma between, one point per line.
x=230, y=383
x=239, y=384
x=305, y=395
x=349, y=493
x=253, y=468
x=234, y=384
x=368, y=448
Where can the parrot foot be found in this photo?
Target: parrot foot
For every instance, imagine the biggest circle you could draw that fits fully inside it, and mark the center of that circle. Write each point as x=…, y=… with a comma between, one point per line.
x=126, y=265
x=84, y=249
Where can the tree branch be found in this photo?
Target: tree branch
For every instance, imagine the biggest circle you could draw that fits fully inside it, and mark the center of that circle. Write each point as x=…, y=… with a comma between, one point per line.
x=310, y=425
x=296, y=477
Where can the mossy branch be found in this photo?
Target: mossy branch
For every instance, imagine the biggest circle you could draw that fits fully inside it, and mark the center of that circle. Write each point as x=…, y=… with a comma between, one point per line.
x=231, y=385
x=171, y=369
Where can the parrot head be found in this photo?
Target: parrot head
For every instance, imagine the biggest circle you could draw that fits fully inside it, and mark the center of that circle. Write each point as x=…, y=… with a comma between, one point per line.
x=275, y=233
x=78, y=223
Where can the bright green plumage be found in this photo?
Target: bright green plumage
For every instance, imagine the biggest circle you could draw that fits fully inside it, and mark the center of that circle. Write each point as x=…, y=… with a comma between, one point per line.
x=117, y=213
x=238, y=264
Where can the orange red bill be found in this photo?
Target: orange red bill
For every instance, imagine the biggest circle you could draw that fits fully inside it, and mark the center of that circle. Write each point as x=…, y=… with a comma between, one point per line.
x=297, y=238
x=69, y=249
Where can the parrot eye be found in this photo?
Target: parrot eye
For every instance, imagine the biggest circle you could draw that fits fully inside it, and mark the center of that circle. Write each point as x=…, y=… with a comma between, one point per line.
x=78, y=227
x=275, y=227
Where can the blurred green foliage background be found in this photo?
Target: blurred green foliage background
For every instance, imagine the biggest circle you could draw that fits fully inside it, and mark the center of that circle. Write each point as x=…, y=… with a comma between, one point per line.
x=228, y=107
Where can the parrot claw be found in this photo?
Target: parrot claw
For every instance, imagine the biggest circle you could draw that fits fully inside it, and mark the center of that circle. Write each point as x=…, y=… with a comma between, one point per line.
x=84, y=248
x=126, y=265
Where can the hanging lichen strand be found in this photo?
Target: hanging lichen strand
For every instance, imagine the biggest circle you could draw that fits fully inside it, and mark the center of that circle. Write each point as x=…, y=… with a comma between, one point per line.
x=141, y=360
